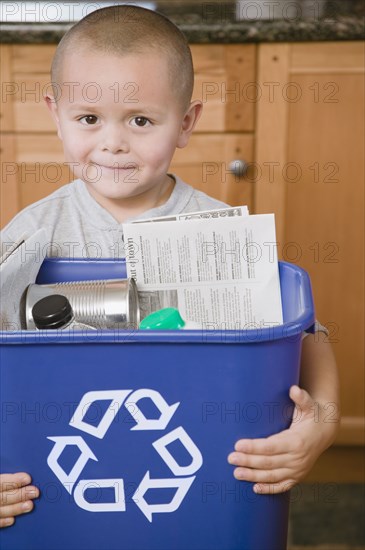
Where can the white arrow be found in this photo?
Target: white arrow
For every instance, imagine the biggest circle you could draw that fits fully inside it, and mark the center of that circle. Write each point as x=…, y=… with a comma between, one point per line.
x=182, y=485
x=167, y=411
x=68, y=480
x=179, y=434
x=116, y=397
x=118, y=505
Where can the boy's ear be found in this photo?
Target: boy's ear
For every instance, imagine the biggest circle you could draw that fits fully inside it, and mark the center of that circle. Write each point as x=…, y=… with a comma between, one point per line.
x=52, y=106
x=190, y=119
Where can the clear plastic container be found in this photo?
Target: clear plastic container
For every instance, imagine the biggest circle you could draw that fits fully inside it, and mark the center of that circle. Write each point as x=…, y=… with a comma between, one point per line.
x=54, y=312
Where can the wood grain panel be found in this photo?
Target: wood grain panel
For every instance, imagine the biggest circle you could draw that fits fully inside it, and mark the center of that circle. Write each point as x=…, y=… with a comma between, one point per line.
x=33, y=58
x=325, y=218
x=30, y=111
x=317, y=193
x=9, y=193
x=8, y=88
x=329, y=56
x=205, y=165
x=224, y=75
x=271, y=133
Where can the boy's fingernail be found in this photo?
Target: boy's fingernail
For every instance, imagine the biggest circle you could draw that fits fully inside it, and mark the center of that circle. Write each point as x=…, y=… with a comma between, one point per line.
x=25, y=480
x=32, y=494
x=27, y=506
x=8, y=521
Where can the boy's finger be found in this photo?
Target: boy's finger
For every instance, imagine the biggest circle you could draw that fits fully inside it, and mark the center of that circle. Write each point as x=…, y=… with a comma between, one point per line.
x=18, y=495
x=301, y=398
x=6, y=522
x=14, y=481
x=260, y=476
x=274, y=445
x=273, y=488
x=259, y=462
x=16, y=509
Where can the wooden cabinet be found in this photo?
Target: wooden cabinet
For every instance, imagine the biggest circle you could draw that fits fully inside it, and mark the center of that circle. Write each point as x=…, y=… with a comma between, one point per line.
x=31, y=154
x=224, y=75
x=294, y=113
x=310, y=150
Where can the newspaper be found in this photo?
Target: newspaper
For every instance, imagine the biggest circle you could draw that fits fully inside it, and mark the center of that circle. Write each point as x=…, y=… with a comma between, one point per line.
x=220, y=271
x=202, y=214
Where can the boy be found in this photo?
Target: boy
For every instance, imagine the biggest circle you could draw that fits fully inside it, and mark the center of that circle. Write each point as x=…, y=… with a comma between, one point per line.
x=122, y=85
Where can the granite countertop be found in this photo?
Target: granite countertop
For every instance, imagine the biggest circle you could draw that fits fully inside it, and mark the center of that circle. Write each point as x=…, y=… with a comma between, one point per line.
x=232, y=22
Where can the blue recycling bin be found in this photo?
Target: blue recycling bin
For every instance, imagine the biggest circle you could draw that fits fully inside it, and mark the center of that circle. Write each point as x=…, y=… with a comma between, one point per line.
x=127, y=433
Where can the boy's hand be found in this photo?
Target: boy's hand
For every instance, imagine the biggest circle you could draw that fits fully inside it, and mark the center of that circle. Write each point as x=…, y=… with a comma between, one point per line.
x=15, y=496
x=276, y=463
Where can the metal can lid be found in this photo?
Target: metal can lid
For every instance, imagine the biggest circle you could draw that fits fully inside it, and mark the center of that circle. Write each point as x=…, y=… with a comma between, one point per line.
x=52, y=312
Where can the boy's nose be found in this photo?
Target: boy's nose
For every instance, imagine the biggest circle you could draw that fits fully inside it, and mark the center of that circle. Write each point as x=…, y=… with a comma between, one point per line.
x=114, y=140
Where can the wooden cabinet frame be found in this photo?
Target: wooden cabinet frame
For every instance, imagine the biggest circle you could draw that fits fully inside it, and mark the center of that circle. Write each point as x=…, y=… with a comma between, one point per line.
x=326, y=126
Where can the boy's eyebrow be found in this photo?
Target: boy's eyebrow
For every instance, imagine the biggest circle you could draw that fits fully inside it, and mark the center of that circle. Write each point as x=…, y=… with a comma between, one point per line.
x=82, y=107
x=134, y=107
x=79, y=107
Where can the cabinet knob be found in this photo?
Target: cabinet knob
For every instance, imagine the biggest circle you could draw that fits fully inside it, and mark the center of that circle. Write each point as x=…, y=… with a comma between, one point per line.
x=238, y=167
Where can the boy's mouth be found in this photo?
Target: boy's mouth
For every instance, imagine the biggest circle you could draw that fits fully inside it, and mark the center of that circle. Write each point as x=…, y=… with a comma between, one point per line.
x=116, y=166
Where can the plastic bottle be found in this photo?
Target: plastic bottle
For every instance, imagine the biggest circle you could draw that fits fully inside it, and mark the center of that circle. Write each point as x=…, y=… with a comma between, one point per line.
x=168, y=318
x=55, y=312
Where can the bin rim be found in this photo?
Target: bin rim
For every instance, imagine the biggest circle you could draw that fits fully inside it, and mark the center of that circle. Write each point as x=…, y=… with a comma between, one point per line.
x=287, y=331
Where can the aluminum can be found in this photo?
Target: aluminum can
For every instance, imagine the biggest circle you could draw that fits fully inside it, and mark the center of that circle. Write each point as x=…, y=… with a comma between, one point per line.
x=108, y=304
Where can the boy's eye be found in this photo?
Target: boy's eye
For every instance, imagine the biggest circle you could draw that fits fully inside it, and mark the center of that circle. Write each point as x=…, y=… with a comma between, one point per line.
x=140, y=121
x=88, y=120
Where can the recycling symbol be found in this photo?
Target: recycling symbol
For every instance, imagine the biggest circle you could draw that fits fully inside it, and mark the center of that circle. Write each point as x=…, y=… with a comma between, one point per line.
x=183, y=475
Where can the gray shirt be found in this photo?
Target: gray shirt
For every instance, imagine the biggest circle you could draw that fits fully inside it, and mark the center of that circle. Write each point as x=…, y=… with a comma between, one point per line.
x=77, y=226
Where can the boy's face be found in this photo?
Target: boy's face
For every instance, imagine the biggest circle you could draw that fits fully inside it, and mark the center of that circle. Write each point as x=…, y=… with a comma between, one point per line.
x=120, y=124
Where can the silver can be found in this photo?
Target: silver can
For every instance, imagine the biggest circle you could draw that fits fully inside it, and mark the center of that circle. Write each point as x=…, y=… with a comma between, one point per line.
x=109, y=304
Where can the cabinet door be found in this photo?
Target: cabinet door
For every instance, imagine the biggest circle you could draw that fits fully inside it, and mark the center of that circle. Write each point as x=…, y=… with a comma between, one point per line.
x=31, y=65
x=225, y=78
x=223, y=138
x=9, y=198
x=8, y=89
x=32, y=167
x=310, y=146
x=206, y=164
x=41, y=167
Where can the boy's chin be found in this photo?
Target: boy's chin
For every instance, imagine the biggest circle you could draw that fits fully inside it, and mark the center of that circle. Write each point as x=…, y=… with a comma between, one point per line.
x=109, y=193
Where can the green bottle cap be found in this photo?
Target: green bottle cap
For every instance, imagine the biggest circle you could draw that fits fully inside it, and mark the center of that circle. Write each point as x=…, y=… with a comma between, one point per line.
x=168, y=318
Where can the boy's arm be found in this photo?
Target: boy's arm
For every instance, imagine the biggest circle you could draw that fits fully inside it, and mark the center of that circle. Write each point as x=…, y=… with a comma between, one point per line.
x=16, y=496
x=277, y=463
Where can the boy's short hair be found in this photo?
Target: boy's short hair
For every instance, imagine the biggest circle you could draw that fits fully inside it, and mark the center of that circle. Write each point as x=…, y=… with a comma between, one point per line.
x=125, y=30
